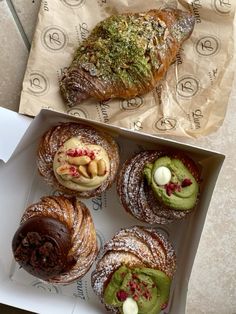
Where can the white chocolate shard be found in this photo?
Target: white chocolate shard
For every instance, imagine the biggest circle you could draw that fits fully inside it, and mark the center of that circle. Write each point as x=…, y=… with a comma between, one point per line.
x=162, y=175
x=130, y=306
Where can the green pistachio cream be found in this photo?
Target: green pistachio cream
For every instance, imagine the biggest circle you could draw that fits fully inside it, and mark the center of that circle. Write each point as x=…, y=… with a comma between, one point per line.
x=149, y=288
x=172, y=183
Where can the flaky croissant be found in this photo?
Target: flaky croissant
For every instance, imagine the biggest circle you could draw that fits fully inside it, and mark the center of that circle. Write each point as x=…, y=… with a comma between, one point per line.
x=56, y=240
x=149, y=200
x=78, y=159
x=125, y=55
x=137, y=263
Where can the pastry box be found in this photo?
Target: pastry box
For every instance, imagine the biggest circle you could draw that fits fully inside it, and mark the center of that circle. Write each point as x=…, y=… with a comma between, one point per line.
x=21, y=185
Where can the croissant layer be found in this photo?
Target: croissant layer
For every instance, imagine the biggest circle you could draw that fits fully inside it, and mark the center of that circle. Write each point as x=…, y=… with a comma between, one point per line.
x=133, y=247
x=125, y=55
x=70, y=234
x=138, y=198
x=54, y=139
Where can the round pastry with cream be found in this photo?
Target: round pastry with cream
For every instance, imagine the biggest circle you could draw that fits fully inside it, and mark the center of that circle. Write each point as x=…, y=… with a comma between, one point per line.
x=135, y=272
x=56, y=240
x=78, y=159
x=159, y=187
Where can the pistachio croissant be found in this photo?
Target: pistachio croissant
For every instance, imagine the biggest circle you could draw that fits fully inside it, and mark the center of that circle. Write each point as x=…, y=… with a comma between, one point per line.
x=78, y=159
x=56, y=240
x=135, y=271
x=125, y=55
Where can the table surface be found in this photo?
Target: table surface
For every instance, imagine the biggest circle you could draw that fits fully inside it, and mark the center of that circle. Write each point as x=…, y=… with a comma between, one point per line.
x=212, y=285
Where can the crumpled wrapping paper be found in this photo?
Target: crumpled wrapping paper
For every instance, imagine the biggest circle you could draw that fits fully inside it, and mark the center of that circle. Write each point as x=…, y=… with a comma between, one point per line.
x=191, y=100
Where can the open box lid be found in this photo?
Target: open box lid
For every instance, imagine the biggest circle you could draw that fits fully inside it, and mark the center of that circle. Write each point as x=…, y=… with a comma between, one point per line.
x=20, y=179
x=12, y=128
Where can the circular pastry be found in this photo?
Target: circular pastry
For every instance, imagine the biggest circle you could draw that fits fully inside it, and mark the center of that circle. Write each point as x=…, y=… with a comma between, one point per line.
x=135, y=272
x=78, y=159
x=159, y=187
x=56, y=240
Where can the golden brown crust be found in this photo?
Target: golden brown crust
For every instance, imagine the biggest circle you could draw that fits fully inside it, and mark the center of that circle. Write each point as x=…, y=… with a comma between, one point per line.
x=133, y=247
x=78, y=83
x=56, y=136
x=76, y=216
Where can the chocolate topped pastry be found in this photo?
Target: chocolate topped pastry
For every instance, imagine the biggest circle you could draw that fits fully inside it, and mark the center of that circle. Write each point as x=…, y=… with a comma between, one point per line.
x=135, y=272
x=56, y=240
x=78, y=159
x=159, y=187
x=126, y=55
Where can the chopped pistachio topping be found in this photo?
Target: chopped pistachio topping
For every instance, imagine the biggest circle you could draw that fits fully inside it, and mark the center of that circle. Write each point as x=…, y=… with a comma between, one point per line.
x=123, y=47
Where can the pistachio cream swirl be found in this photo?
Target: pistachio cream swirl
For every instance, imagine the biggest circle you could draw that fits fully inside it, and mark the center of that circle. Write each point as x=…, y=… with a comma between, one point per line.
x=172, y=183
x=138, y=290
x=80, y=166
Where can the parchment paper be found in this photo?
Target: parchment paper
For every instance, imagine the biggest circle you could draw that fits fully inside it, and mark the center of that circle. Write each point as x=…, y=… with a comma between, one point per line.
x=191, y=100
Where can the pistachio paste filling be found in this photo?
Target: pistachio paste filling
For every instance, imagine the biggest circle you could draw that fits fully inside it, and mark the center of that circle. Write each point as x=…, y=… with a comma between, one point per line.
x=80, y=166
x=143, y=288
x=172, y=183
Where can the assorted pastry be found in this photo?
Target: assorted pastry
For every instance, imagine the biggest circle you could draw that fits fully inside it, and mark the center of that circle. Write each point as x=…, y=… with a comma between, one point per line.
x=158, y=186
x=78, y=159
x=126, y=55
x=56, y=240
x=135, y=272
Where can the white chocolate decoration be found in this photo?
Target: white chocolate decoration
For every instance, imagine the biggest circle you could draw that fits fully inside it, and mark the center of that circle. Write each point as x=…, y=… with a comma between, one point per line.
x=81, y=166
x=162, y=175
x=130, y=306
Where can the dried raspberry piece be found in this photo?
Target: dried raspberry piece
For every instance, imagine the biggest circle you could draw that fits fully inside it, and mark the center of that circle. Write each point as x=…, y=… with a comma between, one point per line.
x=122, y=295
x=73, y=171
x=172, y=187
x=186, y=182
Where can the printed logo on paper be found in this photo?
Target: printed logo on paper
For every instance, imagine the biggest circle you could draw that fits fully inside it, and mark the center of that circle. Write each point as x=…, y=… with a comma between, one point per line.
x=207, y=46
x=187, y=86
x=97, y=203
x=54, y=38
x=78, y=112
x=165, y=124
x=73, y=3
x=82, y=290
x=222, y=7
x=46, y=287
x=132, y=103
x=197, y=117
x=38, y=83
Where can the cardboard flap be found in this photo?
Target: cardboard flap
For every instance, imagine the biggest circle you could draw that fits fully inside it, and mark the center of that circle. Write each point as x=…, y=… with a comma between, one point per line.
x=12, y=128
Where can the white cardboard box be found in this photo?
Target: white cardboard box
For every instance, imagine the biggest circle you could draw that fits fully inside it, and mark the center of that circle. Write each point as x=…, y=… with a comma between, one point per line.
x=21, y=185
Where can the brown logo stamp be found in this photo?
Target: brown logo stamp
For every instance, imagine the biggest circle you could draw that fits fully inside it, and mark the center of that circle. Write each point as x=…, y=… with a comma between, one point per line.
x=207, y=46
x=132, y=103
x=222, y=7
x=54, y=38
x=187, y=86
x=38, y=83
x=78, y=112
x=165, y=124
x=73, y=3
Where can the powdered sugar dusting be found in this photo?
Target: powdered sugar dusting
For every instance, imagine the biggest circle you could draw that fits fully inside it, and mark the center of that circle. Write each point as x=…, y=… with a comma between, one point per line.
x=133, y=247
